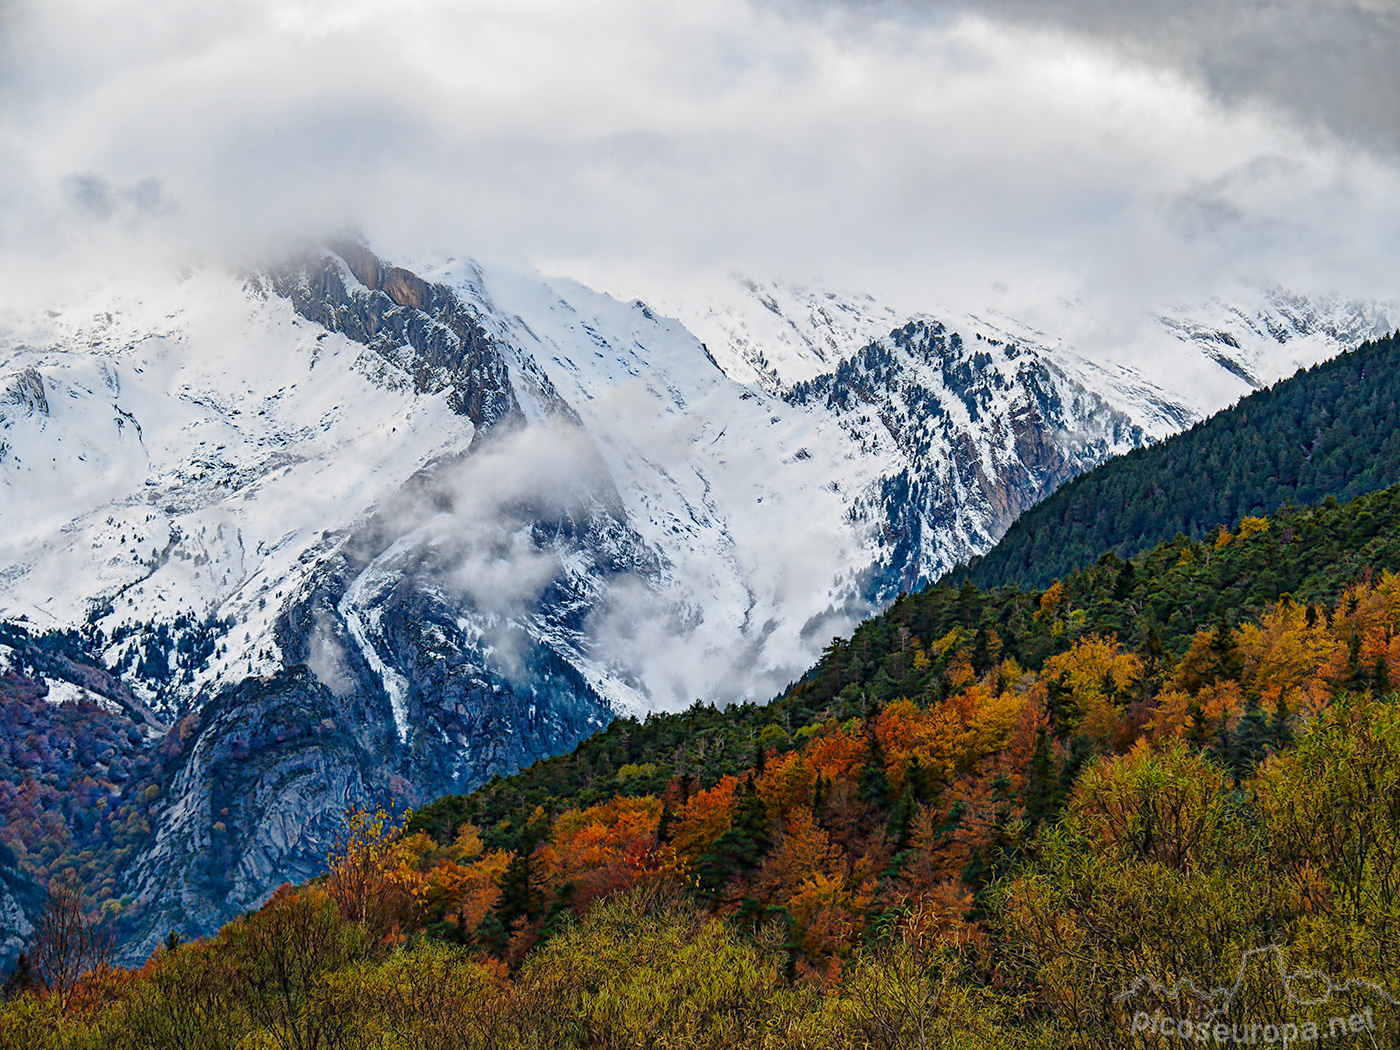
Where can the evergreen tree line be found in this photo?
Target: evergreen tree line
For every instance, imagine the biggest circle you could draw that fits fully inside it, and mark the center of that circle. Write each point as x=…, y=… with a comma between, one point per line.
x=1332, y=430
x=1156, y=603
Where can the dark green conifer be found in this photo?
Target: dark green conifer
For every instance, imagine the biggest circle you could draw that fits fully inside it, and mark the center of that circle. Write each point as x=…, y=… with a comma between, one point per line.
x=1252, y=738
x=663, y=826
x=874, y=781
x=1281, y=727
x=1042, y=794
x=900, y=819
x=21, y=979
x=1123, y=586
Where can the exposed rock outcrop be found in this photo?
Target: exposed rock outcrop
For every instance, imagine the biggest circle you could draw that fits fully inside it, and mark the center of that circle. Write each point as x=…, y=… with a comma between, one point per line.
x=21, y=899
x=423, y=328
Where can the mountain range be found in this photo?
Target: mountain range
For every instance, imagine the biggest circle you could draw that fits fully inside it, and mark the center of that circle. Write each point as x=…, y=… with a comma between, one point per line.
x=337, y=530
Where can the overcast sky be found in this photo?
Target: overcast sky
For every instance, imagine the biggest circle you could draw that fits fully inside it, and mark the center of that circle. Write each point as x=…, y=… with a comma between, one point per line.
x=930, y=151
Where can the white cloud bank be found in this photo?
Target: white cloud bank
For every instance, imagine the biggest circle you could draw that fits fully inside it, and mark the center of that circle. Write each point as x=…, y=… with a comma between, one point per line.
x=1002, y=153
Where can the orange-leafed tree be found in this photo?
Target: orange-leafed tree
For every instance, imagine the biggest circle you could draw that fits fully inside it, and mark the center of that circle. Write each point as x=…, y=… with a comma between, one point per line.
x=603, y=849
x=834, y=753
x=948, y=737
x=1089, y=686
x=462, y=881
x=1282, y=657
x=703, y=818
x=786, y=783
x=802, y=851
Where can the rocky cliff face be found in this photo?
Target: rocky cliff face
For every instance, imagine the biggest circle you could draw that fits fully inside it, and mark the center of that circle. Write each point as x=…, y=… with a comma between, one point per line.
x=422, y=328
x=24, y=396
x=342, y=533
x=271, y=764
x=21, y=900
x=984, y=431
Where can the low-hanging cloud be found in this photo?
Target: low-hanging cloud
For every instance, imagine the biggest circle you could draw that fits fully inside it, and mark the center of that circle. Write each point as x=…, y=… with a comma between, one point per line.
x=672, y=653
x=531, y=518
x=325, y=656
x=498, y=496
x=930, y=152
x=472, y=527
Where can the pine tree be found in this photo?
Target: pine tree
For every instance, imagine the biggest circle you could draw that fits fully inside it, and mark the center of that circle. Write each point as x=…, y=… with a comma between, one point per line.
x=559, y=914
x=1222, y=644
x=663, y=826
x=741, y=846
x=1042, y=796
x=519, y=900
x=1155, y=649
x=1252, y=737
x=21, y=979
x=994, y=859
x=1354, y=674
x=1081, y=750
x=970, y=604
x=1123, y=586
x=1222, y=745
x=492, y=935
x=1199, y=734
x=1064, y=713
x=874, y=781
x=980, y=650
x=1281, y=728
x=900, y=819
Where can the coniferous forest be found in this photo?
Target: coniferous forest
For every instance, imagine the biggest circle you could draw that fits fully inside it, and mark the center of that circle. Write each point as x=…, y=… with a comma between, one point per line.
x=990, y=818
x=1332, y=430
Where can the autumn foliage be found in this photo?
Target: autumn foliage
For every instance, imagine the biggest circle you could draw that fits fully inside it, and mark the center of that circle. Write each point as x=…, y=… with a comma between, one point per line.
x=988, y=820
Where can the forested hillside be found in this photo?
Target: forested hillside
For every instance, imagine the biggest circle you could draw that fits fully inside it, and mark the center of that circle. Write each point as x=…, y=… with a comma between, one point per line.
x=1156, y=604
x=989, y=819
x=1333, y=430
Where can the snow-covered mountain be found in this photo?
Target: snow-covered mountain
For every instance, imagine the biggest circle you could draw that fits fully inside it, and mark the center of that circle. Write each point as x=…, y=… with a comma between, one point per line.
x=363, y=532
x=1185, y=362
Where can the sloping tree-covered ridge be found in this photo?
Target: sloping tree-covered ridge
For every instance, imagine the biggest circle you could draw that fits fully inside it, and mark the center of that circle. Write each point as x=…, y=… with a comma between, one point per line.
x=1157, y=602
x=988, y=819
x=1331, y=430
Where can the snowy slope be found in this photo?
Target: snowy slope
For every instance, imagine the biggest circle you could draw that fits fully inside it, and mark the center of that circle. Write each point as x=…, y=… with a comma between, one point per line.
x=782, y=511
x=196, y=454
x=744, y=498
x=772, y=334
x=1263, y=335
x=189, y=457
x=1166, y=370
